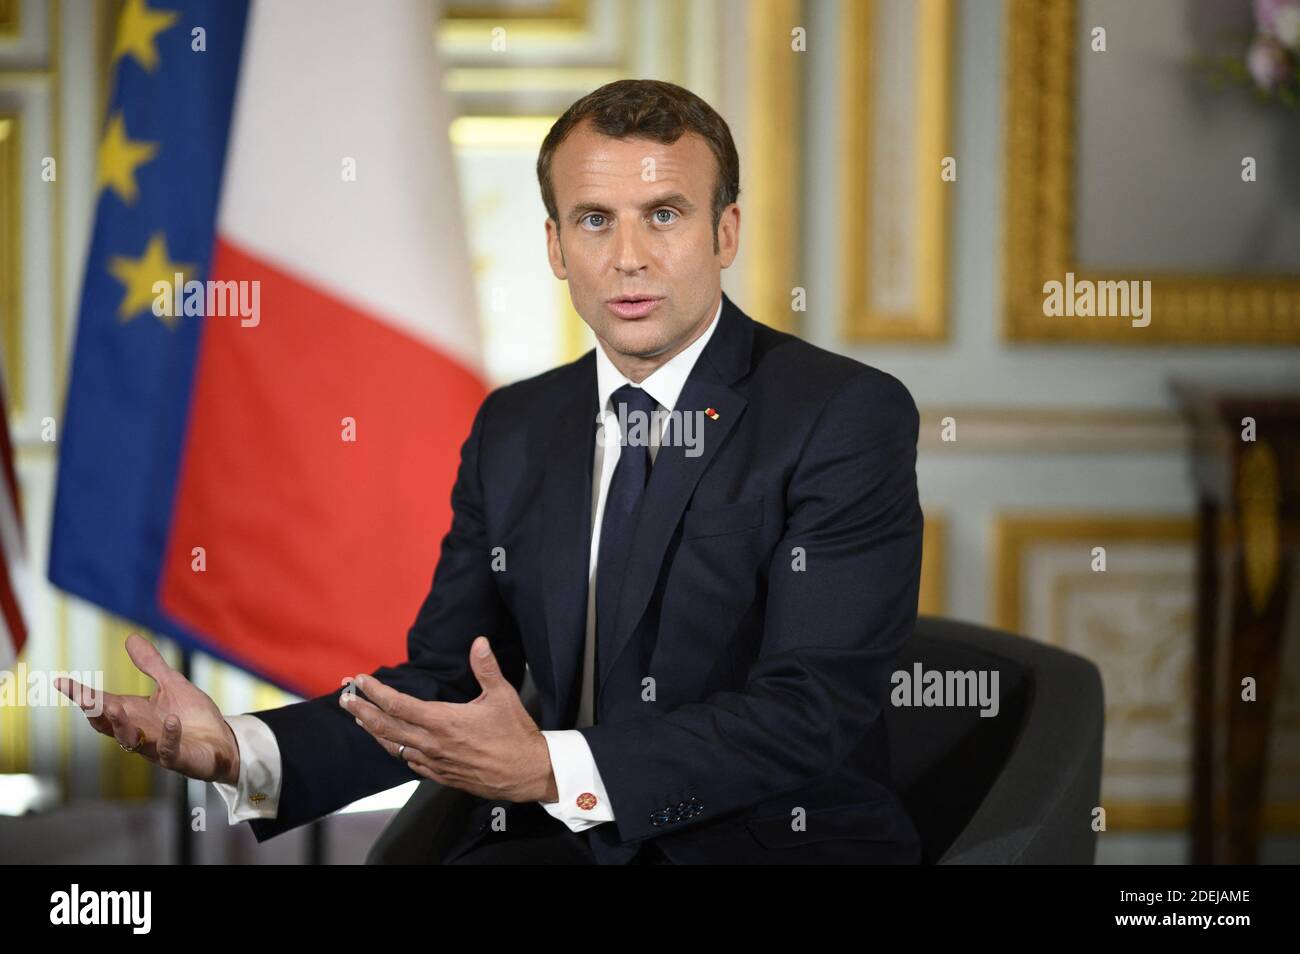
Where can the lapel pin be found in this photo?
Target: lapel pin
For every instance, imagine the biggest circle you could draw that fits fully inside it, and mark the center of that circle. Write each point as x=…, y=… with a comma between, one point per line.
x=713, y=415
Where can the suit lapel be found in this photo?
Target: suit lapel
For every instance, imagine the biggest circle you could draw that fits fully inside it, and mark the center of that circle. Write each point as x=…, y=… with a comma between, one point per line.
x=566, y=535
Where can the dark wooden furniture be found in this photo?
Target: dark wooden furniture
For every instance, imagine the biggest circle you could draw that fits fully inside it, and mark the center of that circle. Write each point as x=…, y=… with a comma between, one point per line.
x=1247, y=552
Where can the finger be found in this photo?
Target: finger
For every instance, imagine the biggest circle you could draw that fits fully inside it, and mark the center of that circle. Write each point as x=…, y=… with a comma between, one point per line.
x=436, y=769
x=83, y=696
x=385, y=727
x=90, y=702
x=127, y=733
x=135, y=740
x=409, y=754
x=484, y=664
x=417, y=756
x=444, y=769
x=432, y=775
x=169, y=746
x=121, y=730
x=131, y=738
x=395, y=703
x=147, y=659
x=429, y=714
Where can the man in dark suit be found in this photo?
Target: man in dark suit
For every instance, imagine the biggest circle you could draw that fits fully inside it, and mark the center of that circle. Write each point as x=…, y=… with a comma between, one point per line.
x=702, y=539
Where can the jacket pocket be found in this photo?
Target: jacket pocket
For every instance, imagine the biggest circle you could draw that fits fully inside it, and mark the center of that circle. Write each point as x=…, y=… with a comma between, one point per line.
x=862, y=821
x=714, y=521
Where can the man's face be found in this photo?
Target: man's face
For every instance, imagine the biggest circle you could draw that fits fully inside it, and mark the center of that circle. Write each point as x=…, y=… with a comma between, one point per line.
x=637, y=222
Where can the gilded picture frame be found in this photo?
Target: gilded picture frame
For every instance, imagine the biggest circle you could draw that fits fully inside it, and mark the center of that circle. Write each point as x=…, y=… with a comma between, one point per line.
x=1198, y=307
x=880, y=219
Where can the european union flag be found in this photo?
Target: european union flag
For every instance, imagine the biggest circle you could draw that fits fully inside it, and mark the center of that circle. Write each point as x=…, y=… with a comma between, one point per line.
x=159, y=180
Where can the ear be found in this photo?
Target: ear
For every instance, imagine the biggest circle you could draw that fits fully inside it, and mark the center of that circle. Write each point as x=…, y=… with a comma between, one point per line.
x=729, y=235
x=553, y=251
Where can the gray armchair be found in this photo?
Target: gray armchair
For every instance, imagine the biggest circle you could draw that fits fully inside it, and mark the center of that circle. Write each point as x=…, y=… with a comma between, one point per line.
x=1018, y=788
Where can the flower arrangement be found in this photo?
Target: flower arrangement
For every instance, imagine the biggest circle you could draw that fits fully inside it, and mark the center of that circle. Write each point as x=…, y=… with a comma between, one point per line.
x=1271, y=62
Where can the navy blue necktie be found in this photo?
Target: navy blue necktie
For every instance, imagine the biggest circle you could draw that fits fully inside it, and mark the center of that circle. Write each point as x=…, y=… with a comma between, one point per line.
x=622, y=505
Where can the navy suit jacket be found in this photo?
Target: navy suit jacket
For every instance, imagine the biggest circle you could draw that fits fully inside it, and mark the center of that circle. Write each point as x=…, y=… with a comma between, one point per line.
x=773, y=581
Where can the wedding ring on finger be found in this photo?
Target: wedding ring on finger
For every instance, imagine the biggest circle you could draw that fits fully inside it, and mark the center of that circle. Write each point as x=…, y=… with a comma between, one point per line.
x=400, y=749
x=140, y=740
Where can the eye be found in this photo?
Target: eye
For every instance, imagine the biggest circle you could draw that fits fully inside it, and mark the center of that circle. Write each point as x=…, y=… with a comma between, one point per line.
x=592, y=215
x=669, y=212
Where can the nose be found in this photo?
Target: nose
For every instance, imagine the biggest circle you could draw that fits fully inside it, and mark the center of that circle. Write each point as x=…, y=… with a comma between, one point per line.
x=629, y=252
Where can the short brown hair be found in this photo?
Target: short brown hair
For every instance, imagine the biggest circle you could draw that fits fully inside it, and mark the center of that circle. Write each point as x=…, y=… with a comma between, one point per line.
x=647, y=109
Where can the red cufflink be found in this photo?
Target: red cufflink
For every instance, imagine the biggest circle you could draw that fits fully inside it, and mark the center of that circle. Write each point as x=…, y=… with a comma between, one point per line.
x=586, y=801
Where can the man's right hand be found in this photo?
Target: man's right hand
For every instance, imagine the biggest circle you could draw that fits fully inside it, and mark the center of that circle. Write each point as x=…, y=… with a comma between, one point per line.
x=178, y=727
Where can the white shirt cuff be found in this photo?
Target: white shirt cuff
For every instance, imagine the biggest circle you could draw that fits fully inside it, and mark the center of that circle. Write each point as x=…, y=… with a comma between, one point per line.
x=583, y=801
x=257, y=792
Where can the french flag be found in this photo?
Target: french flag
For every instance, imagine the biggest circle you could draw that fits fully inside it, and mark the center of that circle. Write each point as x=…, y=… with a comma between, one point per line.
x=269, y=480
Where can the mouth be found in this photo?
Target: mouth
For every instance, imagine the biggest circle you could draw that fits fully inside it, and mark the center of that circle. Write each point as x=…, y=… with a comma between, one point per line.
x=633, y=306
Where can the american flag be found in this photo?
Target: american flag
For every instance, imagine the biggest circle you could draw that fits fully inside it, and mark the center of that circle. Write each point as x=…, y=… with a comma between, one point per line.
x=13, y=568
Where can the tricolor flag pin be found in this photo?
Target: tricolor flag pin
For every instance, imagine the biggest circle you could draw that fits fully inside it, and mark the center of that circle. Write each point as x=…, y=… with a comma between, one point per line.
x=711, y=412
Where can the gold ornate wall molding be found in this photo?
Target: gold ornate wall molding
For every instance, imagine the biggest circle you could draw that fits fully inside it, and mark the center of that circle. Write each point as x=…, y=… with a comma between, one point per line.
x=11, y=266
x=769, y=161
x=474, y=25
x=560, y=49
x=933, y=600
x=559, y=13
x=924, y=318
x=1015, y=533
x=10, y=17
x=1135, y=621
x=1039, y=246
x=1259, y=496
x=1039, y=430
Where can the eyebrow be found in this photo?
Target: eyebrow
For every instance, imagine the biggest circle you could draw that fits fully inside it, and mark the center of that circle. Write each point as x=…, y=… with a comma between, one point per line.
x=671, y=198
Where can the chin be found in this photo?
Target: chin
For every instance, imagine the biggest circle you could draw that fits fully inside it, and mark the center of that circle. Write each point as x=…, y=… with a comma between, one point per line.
x=642, y=342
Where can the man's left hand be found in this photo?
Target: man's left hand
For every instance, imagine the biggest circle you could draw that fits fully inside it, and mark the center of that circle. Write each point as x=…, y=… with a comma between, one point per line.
x=490, y=747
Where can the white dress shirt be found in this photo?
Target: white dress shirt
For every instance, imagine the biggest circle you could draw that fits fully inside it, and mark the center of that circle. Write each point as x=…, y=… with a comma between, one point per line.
x=257, y=792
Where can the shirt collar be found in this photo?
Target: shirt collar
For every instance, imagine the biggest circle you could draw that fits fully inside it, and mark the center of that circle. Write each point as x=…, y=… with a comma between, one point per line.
x=665, y=383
